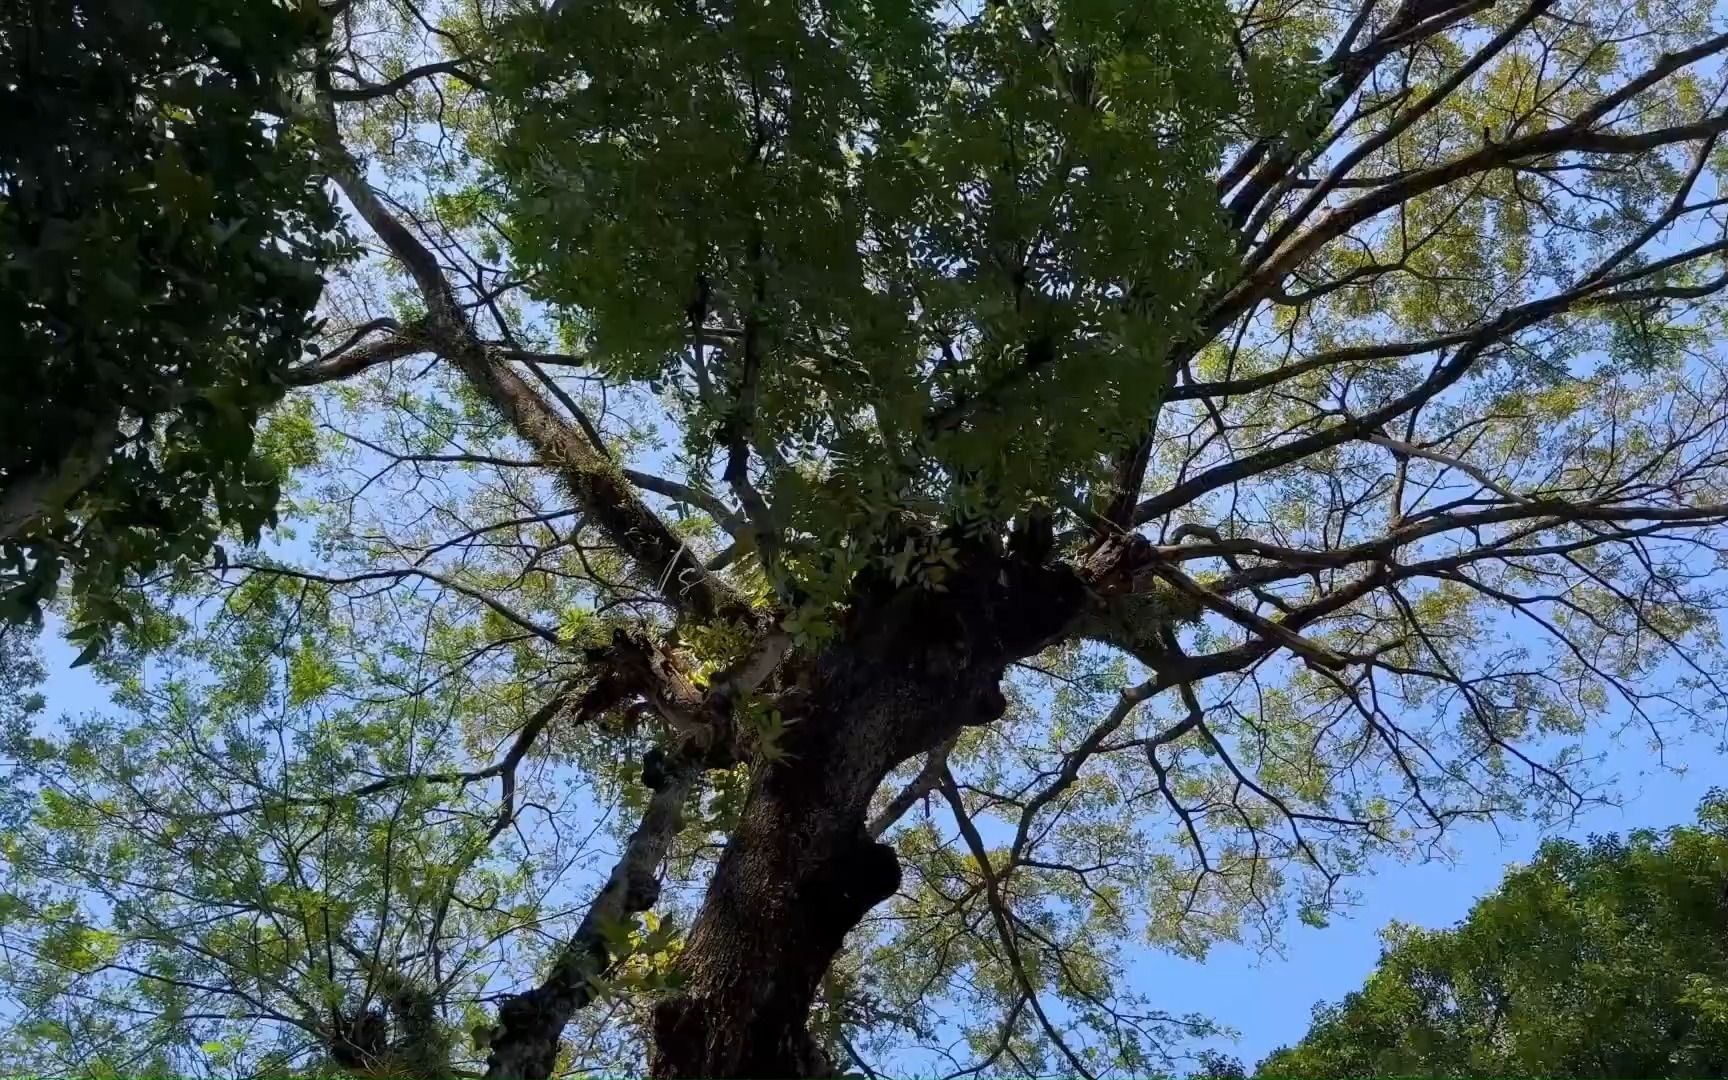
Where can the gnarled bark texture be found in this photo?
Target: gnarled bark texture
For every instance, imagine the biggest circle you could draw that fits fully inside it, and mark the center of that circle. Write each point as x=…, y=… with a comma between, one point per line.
x=910, y=668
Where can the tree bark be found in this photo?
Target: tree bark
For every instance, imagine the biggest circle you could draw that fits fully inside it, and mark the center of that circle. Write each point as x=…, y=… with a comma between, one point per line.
x=909, y=669
x=525, y=1041
x=28, y=499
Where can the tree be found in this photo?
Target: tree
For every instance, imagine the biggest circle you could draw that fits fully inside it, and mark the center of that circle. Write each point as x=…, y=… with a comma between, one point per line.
x=1188, y=450
x=161, y=247
x=1597, y=959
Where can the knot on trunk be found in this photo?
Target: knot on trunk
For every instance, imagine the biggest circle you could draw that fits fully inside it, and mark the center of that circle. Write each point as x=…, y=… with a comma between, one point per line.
x=857, y=878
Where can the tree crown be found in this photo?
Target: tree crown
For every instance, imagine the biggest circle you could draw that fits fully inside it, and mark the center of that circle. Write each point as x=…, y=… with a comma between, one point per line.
x=1142, y=462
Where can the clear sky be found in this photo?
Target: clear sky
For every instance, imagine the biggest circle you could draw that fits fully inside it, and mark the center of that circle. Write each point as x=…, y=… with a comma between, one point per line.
x=1267, y=998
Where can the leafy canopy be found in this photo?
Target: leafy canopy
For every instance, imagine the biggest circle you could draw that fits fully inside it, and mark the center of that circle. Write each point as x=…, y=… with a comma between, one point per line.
x=873, y=209
x=161, y=248
x=1384, y=338
x=1598, y=959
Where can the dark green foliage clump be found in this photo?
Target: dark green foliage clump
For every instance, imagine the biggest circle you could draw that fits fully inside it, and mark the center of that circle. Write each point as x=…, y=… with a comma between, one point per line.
x=162, y=238
x=1602, y=959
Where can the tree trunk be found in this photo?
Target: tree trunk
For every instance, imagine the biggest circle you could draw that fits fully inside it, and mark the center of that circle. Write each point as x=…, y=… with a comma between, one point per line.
x=801, y=871
x=28, y=499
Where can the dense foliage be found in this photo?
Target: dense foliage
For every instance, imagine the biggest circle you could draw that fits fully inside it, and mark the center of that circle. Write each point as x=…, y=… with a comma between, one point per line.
x=1599, y=959
x=161, y=244
x=823, y=530
x=930, y=254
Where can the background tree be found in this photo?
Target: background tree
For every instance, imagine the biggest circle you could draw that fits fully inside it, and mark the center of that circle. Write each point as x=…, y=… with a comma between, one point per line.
x=972, y=490
x=1603, y=959
x=161, y=246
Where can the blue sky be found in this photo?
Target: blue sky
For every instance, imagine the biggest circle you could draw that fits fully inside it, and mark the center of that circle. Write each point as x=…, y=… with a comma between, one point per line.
x=1267, y=997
